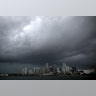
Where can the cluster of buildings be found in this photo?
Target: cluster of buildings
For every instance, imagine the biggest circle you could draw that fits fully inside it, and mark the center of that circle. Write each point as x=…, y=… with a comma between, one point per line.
x=48, y=70
x=87, y=71
x=52, y=70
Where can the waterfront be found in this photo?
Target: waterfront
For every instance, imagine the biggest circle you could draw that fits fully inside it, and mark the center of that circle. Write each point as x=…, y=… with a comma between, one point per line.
x=65, y=77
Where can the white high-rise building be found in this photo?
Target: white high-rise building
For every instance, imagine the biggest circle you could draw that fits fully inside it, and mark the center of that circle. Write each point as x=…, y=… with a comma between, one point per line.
x=24, y=71
x=65, y=68
x=37, y=70
x=58, y=70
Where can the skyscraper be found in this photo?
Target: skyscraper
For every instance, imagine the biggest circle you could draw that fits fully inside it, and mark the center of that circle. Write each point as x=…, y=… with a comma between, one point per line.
x=51, y=68
x=37, y=70
x=42, y=70
x=47, y=68
x=24, y=71
x=30, y=72
x=58, y=70
x=64, y=68
x=54, y=68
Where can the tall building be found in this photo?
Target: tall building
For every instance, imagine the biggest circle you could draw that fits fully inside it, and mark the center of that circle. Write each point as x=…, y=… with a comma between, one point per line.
x=47, y=68
x=51, y=68
x=42, y=70
x=30, y=72
x=58, y=70
x=73, y=69
x=24, y=71
x=67, y=69
x=37, y=70
x=64, y=68
x=54, y=68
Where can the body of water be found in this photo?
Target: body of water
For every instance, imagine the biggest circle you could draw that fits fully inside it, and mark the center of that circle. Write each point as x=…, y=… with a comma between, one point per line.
x=67, y=77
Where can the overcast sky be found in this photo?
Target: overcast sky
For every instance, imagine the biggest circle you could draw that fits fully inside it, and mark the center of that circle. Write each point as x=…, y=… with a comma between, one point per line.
x=41, y=39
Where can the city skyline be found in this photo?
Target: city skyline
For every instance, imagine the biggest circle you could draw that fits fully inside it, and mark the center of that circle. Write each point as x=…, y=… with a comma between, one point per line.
x=52, y=72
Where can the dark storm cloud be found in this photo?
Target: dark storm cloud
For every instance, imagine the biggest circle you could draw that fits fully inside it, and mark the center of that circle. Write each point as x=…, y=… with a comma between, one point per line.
x=42, y=39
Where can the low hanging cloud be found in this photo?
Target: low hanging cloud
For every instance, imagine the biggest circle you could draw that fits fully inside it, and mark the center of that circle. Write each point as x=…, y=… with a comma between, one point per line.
x=41, y=39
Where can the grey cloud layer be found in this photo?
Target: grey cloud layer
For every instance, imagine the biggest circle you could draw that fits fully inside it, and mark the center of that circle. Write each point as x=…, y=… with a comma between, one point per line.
x=48, y=39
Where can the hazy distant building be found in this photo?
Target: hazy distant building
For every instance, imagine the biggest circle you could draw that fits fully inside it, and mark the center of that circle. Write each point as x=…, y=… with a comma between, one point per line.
x=47, y=68
x=51, y=68
x=73, y=69
x=54, y=68
x=37, y=70
x=30, y=72
x=66, y=69
x=58, y=70
x=42, y=70
x=24, y=71
x=89, y=71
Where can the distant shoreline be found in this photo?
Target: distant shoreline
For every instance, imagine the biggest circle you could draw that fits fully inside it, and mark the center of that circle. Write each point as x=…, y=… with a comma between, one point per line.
x=65, y=77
